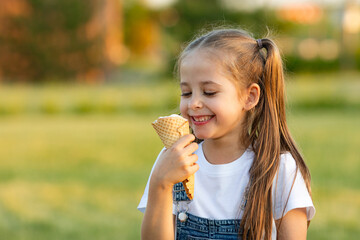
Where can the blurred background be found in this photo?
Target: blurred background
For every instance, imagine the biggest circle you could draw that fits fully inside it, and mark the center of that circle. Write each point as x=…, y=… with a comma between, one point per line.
x=81, y=81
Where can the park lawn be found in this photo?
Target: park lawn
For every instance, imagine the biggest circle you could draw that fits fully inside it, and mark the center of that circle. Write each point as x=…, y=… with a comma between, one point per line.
x=82, y=176
x=73, y=177
x=330, y=143
x=307, y=92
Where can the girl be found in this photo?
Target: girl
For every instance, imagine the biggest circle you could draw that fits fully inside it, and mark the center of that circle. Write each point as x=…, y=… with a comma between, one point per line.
x=250, y=179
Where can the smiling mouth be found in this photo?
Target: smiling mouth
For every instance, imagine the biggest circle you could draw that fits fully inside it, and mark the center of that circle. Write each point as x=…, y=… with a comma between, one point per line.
x=198, y=120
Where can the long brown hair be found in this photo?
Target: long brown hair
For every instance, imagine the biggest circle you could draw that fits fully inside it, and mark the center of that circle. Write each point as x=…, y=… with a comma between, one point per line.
x=248, y=61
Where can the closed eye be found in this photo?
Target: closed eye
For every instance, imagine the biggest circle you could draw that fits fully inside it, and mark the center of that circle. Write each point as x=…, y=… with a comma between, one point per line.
x=185, y=94
x=209, y=93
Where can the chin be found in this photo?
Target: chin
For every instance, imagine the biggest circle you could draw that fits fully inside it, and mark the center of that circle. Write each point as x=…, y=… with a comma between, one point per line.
x=201, y=136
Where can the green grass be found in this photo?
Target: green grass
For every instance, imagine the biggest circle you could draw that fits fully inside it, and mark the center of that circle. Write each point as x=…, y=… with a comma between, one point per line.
x=305, y=92
x=330, y=143
x=82, y=177
x=82, y=100
x=70, y=175
x=338, y=91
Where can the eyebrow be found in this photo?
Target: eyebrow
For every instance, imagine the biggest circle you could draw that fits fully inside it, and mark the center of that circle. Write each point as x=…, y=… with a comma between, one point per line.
x=201, y=83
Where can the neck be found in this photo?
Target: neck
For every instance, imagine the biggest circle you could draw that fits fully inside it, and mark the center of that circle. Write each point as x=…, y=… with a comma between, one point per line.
x=222, y=151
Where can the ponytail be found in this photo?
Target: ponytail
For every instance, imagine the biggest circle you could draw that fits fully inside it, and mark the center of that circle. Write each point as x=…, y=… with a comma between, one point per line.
x=265, y=140
x=269, y=137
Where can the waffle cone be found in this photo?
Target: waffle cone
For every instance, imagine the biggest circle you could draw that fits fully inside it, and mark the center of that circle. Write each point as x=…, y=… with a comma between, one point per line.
x=170, y=129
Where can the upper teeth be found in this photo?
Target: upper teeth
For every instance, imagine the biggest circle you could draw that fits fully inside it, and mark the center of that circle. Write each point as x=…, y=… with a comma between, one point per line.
x=202, y=119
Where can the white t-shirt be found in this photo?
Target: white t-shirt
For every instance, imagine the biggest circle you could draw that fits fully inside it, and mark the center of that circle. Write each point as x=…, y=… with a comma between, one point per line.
x=219, y=189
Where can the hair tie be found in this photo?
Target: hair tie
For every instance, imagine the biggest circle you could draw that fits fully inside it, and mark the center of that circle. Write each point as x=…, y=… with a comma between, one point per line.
x=259, y=43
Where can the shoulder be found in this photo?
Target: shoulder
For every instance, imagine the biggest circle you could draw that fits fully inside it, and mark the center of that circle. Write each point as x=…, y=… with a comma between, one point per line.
x=289, y=188
x=143, y=201
x=287, y=164
x=287, y=160
x=287, y=172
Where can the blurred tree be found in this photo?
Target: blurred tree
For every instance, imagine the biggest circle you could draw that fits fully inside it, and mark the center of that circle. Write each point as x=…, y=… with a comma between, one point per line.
x=308, y=34
x=59, y=39
x=194, y=17
x=141, y=30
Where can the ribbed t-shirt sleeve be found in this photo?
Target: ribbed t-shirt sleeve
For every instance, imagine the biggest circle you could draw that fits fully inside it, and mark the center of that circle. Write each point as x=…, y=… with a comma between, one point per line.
x=299, y=196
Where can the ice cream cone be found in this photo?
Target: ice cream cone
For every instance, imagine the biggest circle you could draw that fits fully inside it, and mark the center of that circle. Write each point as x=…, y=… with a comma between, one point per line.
x=170, y=129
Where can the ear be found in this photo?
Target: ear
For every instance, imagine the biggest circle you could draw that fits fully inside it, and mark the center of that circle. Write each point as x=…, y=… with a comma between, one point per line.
x=253, y=95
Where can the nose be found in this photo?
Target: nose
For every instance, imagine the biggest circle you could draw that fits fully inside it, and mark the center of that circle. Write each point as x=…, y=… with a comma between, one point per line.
x=195, y=102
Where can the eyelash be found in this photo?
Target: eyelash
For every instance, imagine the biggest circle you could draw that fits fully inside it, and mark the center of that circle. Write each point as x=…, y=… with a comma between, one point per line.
x=185, y=94
x=209, y=93
x=205, y=93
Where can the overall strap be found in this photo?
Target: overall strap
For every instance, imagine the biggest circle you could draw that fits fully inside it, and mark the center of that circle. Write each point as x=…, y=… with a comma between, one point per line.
x=179, y=193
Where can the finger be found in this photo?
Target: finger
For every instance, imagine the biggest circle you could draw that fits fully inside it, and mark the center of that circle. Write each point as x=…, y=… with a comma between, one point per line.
x=184, y=141
x=191, y=148
x=193, y=168
x=191, y=160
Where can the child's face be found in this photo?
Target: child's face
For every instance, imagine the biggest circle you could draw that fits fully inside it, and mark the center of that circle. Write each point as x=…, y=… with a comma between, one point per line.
x=210, y=100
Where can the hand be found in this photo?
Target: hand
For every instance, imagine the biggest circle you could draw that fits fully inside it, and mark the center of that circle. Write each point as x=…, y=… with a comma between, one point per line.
x=176, y=163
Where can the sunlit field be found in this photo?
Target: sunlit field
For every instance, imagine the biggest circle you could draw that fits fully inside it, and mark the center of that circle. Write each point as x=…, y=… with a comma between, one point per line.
x=74, y=160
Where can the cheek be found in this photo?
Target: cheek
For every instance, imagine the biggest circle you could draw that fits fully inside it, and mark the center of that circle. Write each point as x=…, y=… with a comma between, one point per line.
x=216, y=106
x=183, y=109
x=225, y=108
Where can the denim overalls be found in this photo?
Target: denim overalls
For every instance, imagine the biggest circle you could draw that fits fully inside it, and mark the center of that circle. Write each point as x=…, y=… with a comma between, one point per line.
x=197, y=228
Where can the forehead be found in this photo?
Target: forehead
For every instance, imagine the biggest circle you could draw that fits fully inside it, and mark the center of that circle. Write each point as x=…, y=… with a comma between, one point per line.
x=207, y=67
x=199, y=56
x=201, y=64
